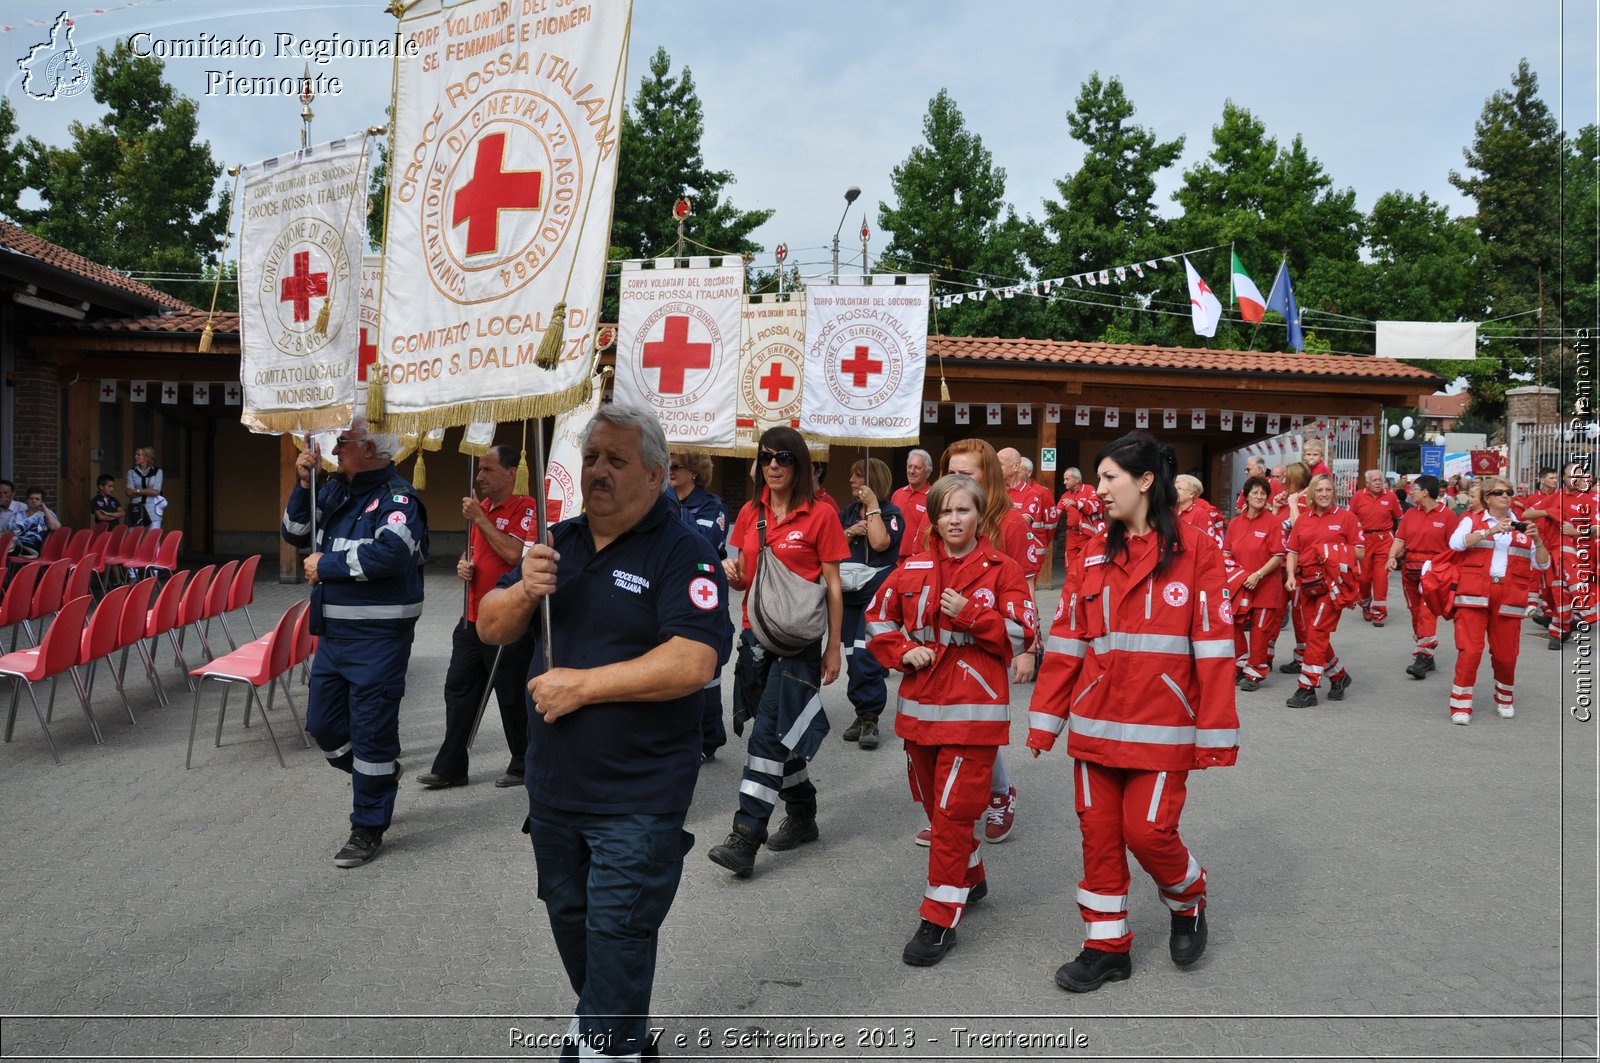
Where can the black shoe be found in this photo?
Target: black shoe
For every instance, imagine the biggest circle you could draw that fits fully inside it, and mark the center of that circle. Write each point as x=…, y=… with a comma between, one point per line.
x=1092, y=967
x=1555, y=642
x=509, y=779
x=1188, y=939
x=1337, y=687
x=1302, y=698
x=1542, y=621
x=853, y=732
x=796, y=830
x=1432, y=664
x=430, y=781
x=978, y=892
x=929, y=944
x=1249, y=686
x=362, y=846
x=737, y=853
x=1377, y=622
x=1292, y=668
x=869, y=732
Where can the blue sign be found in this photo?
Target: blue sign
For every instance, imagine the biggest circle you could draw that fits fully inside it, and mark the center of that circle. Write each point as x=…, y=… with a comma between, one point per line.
x=1433, y=459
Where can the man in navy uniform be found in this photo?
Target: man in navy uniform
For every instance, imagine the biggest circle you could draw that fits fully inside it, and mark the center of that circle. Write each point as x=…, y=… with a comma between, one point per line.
x=366, y=594
x=636, y=607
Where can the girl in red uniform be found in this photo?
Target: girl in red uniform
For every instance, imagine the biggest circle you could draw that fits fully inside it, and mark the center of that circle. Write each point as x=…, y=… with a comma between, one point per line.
x=1138, y=670
x=951, y=618
x=1499, y=558
x=1317, y=616
x=1255, y=542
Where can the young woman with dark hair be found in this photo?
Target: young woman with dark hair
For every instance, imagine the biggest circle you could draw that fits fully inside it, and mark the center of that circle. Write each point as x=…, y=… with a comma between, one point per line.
x=781, y=694
x=1138, y=671
x=1255, y=543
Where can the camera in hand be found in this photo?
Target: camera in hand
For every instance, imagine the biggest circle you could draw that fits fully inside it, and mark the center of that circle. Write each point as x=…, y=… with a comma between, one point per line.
x=1519, y=525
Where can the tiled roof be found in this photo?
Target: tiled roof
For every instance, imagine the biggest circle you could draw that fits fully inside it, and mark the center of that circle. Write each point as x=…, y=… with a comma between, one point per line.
x=1445, y=405
x=1199, y=359
x=188, y=321
x=19, y=241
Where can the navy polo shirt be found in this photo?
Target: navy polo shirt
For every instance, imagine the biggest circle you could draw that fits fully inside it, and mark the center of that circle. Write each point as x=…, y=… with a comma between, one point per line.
x=655, y=582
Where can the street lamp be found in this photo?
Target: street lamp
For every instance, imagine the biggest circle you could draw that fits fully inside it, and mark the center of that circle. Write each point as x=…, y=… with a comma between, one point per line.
x=850, y=195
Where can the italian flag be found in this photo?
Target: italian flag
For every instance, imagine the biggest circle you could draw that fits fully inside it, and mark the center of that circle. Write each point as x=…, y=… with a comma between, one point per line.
x=1251, y=306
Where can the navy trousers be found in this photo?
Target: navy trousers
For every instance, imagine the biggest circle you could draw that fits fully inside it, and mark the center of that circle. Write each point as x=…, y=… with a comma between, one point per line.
x=354, y=717
x=867, y=691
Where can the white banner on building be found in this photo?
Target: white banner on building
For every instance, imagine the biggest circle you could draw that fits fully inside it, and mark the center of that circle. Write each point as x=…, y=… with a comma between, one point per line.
x=300, y=248
x=866, y=353
x=563, y=480
x=771, y=368
x=504, y=166
x=678, y=346
x=1415, y=340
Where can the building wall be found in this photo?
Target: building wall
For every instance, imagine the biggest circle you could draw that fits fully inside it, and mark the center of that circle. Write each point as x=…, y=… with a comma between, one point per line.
x=36, y=434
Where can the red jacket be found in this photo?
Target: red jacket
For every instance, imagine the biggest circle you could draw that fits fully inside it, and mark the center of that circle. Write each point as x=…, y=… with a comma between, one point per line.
x=1204, y=516
x=1138, y=668
x=1253, y=543
x=963, y=698
x=1475, y=562
x=1375, y=513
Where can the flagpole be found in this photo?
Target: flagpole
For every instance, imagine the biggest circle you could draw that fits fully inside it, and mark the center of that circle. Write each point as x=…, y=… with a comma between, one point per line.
x=539, y=511
x=1232, y=298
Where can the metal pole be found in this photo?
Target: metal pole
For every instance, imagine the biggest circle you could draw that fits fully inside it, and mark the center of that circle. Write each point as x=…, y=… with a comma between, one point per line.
x=466, y=587
x=835, y=278
x=315, y=458
x=488, y=692
x=539, y=504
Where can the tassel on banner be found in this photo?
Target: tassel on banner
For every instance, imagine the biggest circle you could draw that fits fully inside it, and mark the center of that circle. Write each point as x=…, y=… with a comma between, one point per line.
x=521, y=485
x=323, y=317
x=374, y=412
x=944, y=389
x=419, y=474
x=549, y=354
x=205, y=339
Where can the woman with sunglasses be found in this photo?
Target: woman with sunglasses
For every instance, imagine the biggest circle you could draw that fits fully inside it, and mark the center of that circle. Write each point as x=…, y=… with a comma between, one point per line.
x=1499, y=557
x=1316, y=613
x=687, y=475
x=1567, y=521
x=782, y=694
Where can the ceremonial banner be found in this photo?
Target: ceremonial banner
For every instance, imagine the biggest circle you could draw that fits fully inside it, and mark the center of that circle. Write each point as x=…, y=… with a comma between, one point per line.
x=504, y=158
x=866, y=352
x=366, y=353
x=772, y=362
x=678, y=346
x=563, y=480
x=300, y=246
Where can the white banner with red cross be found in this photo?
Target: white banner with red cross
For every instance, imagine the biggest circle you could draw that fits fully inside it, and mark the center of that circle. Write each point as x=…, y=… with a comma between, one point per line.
x=678, y=331
x=502, y=171
x=563, y=478
x=300, y=248
x=772, y=356
x=866, y=352
x=366, y=354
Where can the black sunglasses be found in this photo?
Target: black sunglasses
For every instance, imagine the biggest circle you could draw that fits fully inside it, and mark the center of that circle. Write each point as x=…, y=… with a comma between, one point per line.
x=784, y=459
x=675, y=468
x=1497, y=491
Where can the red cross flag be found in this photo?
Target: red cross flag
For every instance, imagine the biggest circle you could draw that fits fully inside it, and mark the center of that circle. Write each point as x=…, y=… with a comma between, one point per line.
x=505, y=130
x=1227, y=420
x=1113, y=417
x=233, y=395
x=1248, y=421
x=1296, y=422
x=563, y=492
x=1024, y=414
x=202, y=394
x=108, y=391
x=1273, y=423
x=1197, y=419
x=963, y=413
x=772, y=360
x=138, y=390
x=1080, y=416
x=866, y=352
x=1369, y=425
x=300, y=249
x=1141, y=418
x=1169, y=418
x=1052, y=414
x=930, y=413
x=678, y=346
x=993, y=413
x=169, y=392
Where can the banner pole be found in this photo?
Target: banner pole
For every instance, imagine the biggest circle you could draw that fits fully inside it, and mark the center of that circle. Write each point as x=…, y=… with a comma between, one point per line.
x=539, y=511
x=315, y=458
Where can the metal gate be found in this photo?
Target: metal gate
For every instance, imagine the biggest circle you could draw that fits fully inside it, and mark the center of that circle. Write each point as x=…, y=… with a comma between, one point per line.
x=1343, y=437
x=1552, y=446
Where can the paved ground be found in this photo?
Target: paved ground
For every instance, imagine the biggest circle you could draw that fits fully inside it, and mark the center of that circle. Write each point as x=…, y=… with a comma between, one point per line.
x=1383, y=884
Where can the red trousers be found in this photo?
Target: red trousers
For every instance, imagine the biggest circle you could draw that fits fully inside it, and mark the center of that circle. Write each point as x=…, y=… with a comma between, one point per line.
x=1373, y=577
x=1316, y=619
x=1573, y=587
x=1121, y=810
x=1424, y=625
x=952, y=785
x=1253, y=642
x=1502, y=624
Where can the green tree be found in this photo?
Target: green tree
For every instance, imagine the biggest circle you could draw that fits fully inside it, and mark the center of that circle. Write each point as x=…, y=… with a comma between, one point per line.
x=1106, y=215
x=135, y=190
x=950, y=217
x=11, y=161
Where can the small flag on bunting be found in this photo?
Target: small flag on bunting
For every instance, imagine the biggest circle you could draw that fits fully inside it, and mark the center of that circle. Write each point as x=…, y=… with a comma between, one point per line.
x=1113, y=417
x=1197, y=419
x=1052, y=414
x=108, y=391
x=1368, y=425
x=1081, y=416
x=994, y=413
x=1169, y=418
x=1248, y=419
x=1141, y=418
x=963, y=413
x=232, y=395
x=1296, y=422
x=1227, y=420
x=930, y=413
x=169, y=392
x=202, y=394
x=1273, y=422
x=137, y=391
x=1024, y=414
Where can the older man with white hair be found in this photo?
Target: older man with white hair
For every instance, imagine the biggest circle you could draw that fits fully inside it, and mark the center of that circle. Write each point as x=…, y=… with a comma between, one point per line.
x=366, y=595
x=912, y=499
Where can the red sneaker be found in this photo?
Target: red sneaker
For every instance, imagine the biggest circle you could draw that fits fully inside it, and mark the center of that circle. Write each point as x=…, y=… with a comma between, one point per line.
x=925, y=837
x=1001, y=817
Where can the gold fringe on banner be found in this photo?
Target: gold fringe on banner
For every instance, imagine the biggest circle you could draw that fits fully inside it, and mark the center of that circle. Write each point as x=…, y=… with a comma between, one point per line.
x=296, y=422
x=374, y=409
x=501, y=411
x=862, y=441
x=474, y=449
x=419, y=473
x=520, y=487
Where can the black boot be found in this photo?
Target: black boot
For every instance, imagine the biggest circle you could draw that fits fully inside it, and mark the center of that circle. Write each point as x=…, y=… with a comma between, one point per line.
x=797, y=828
x=928, y=946
x=1188, y=939
x=1092, y=967
x=1302, y=698
x=1419, y=666
x=738, y=852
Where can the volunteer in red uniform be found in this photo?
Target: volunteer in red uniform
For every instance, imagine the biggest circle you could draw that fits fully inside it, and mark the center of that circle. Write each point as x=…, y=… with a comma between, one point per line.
x=1287, y=506
x=1318, y=617
x=1007, y=532
x=1078, y=510
x=1195, y=511
x=1424, y=535
x=1139, y=672
x=912, y=500
x=951, y=619
x=1376, y=509
x=1044, y=527
x=1257, y=466
x=1567, y=522
x=1498, y=557
x=1077, y=493
x=1255, y=543
x=1549, y=483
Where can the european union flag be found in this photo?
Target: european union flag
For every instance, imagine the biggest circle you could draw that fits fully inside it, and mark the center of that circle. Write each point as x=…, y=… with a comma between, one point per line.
x=1281, y=299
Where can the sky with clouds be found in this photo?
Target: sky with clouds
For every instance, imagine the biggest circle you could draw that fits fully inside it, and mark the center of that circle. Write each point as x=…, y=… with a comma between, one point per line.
x=804, y=100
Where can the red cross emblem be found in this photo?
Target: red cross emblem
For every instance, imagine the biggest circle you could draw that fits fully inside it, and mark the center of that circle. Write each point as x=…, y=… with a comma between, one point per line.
x=776, y=382
x=366, y=354
x=680, y=209
x=108, y=390
x=491, y=189
x=300, y=287
x=171, y=392
x=703, y=593
x=552, y=504
x=674, y=355
x=233, y=393
x=861, y=366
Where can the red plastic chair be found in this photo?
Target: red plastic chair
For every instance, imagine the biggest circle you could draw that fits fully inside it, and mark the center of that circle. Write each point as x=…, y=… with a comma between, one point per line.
x=6, y=538
x=127, y=548
x=78, y=545
x=216, y=604
x=47, y=597
x=166, y=558
x=163, y=617
x=17, y=603
x=101, y=638
x=108, y=545
x=191, y=611
x=256, y=664
x=55, y=544
x=140, y=560
x=57, y=654
x=240, y=595
x=131, y=633
x=79, y=577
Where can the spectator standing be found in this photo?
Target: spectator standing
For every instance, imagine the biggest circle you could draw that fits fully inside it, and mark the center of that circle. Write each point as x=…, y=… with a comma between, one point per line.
x=105, y=508
x=145, y=481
